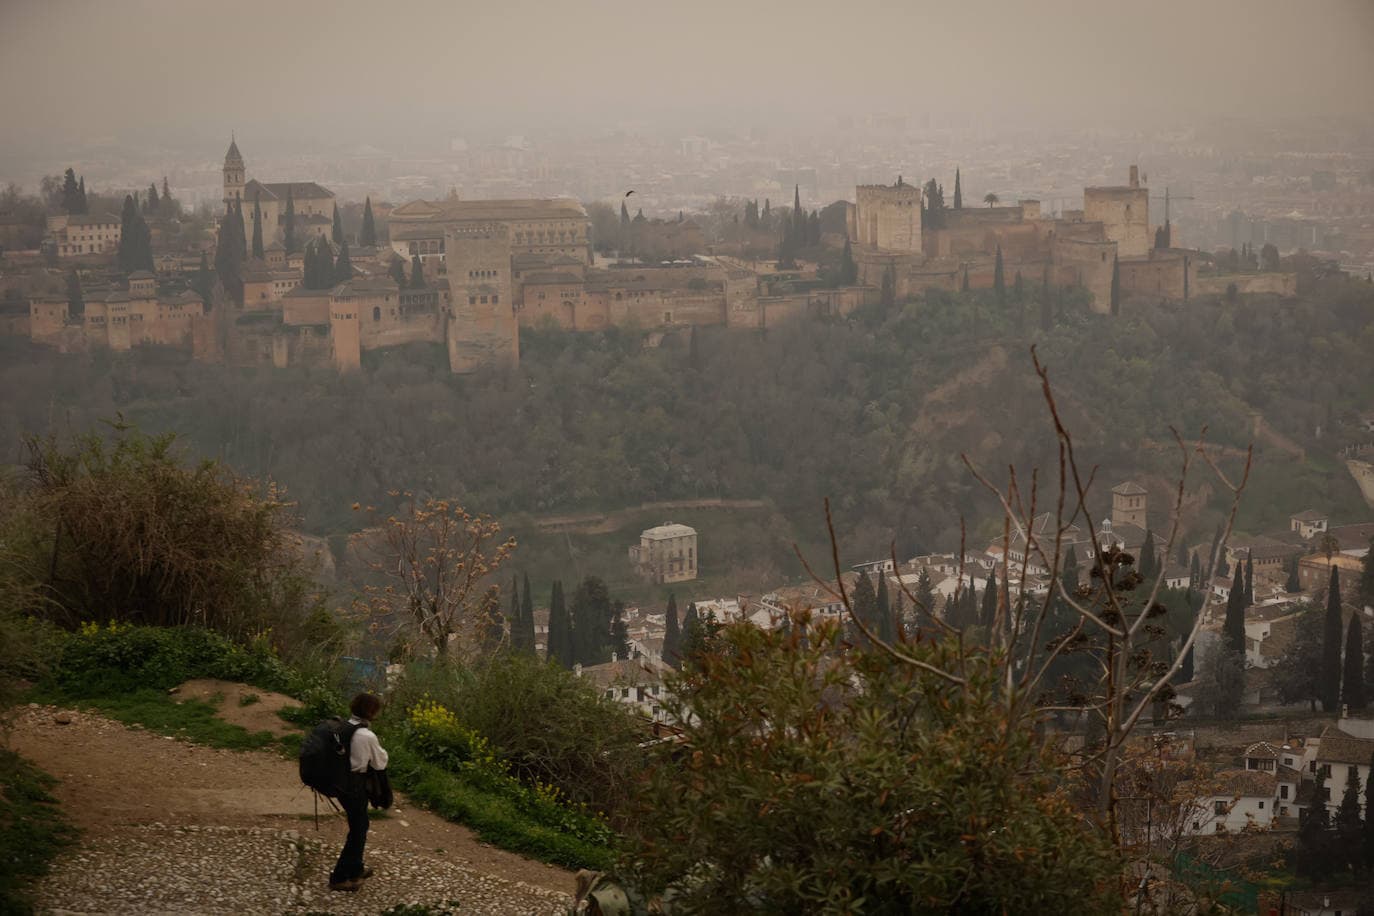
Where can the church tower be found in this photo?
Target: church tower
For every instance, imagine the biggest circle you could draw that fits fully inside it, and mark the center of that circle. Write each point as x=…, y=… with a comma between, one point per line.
x=1128, y=505
x=233, y=174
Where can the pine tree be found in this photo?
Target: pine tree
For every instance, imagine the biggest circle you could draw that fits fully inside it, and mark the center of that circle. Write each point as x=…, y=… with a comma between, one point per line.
x=343, y=268
x=525, y=642
x=560, y=645
x=1233, y=627
x=257, y=228
x=398, y=272
x=672, y=635
x=367, y=238
x=1352, y=677
x=1116, y=286
x=958, y=192
x=289, y=224
x=999, y=282
x=417, y=273
x=336, y=232
x=1329, y=677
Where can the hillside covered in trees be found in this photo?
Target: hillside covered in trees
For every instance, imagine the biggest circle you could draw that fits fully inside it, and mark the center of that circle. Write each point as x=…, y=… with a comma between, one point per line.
x=872, y=410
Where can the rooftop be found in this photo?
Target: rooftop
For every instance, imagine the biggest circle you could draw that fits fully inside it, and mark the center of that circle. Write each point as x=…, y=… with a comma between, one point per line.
x=668, y=530
x=1129, y=488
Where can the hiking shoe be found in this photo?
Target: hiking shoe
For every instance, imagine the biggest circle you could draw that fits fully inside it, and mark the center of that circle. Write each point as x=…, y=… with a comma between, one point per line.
x=352, y=884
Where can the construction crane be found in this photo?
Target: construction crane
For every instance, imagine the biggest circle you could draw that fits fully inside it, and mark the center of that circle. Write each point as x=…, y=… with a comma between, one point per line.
x=1167, y=199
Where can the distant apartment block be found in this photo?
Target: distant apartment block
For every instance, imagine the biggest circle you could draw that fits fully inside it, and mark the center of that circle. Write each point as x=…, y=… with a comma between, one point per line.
x=667, y=553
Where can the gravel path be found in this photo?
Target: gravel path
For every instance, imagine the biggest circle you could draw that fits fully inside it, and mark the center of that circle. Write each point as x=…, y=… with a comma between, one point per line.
x=175, y=828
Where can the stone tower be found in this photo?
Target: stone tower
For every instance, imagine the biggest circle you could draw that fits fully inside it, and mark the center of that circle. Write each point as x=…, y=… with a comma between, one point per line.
x=233, y=174
x=887, y=218
x=482, y=327
x=1128, y=505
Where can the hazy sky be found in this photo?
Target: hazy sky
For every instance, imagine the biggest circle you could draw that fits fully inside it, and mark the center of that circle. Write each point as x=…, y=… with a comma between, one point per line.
x=82, y=69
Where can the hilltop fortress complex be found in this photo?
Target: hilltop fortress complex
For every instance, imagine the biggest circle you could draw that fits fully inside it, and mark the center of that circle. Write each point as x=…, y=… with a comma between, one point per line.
x=1077, y=248
x=490, y=266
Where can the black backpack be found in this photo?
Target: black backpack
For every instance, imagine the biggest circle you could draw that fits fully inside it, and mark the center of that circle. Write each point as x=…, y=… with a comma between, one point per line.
x=325, y=764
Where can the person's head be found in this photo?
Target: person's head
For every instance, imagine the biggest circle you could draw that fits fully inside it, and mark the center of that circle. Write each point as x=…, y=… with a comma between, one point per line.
x=365, y=706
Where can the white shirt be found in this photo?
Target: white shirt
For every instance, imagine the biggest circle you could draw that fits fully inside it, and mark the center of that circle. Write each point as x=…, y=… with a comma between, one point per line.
x=366, y=749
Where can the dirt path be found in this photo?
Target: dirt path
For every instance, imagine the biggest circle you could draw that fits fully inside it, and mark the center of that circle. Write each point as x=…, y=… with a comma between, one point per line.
x=606, y=522
x=171, y=827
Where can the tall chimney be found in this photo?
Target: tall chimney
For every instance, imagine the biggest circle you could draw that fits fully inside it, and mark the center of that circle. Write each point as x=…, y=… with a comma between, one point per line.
x=1135, y=176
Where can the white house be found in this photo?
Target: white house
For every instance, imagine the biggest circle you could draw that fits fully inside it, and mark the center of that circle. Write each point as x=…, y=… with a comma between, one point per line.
x=1244, y=800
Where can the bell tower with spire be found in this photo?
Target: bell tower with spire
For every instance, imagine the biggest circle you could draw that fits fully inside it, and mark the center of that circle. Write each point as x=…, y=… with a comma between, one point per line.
x=233, y=174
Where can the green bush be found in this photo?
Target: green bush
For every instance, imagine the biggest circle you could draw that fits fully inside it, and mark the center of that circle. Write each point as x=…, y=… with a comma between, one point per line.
x=116, y=658
x=32, y=830
x=820, y=779
x=545, y=725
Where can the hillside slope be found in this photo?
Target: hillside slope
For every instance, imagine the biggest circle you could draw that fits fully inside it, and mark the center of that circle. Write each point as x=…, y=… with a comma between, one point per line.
x=171, y=827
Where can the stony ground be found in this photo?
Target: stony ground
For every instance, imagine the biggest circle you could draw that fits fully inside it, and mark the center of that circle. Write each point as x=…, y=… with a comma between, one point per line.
x=174, y=828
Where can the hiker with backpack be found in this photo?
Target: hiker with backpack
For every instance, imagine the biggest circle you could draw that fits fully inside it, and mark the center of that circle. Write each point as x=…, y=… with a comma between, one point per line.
x=344, y=760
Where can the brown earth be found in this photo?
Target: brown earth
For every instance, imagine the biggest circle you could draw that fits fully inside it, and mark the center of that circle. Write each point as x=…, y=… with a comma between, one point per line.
x=140, y=797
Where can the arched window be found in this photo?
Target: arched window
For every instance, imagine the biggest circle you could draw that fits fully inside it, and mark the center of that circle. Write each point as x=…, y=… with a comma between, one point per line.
x=376, y=313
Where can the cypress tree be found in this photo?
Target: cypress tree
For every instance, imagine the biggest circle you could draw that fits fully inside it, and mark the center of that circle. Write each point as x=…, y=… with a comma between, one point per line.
x=620, y=632
x=888, y=293
x=289, y=223
x=151, y=204
x=1233, y=628
x=963, y=286
x=76, y=302
x=925, y=595
x=166, y=194
x=798, y=216
x=1369, y=817
x=1249, y=579
x=1352, y=676
x=336, y=233
x=513, y=616
x=257, y=227
x=1148, y=564
x=1312, y=854
x=71, y=192
x=672, y=635
x=229, y=254
x=417, y=273
x=958, y=192
x=1293, y=584
x=81, y=196
x=1348, y=825
x=560, y=645
x=398, y=272
x=591, y=621
x=123, y=255
x=999, y=283
x=526, y=635
x=368, y=236
x=849, y=271
x=864, y=601
x=691, y=634
x=203, y=282
x=1195, y=573
x=1329, y=679
x=1185, y=670
x=885, y=624
x=343, y=268
x=1116, y=285
x=1366, y=588
x=989, y=609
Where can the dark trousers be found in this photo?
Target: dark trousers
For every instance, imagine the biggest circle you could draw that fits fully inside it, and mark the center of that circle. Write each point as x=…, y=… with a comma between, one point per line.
x=350, y=864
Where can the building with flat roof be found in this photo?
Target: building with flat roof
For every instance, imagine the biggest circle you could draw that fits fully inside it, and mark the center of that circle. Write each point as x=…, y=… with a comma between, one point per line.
x=666, y=553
